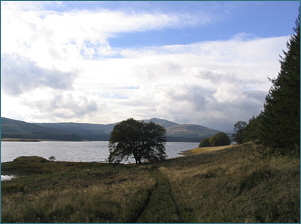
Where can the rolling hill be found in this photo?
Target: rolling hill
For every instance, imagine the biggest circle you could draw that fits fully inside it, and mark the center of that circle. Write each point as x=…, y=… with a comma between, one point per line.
x=96, y=132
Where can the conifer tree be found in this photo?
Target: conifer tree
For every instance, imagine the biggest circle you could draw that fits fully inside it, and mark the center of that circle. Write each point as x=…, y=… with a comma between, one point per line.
x=280, y=127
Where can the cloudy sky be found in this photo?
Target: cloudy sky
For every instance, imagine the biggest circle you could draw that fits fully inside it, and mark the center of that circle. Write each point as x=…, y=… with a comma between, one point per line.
x=196, y=62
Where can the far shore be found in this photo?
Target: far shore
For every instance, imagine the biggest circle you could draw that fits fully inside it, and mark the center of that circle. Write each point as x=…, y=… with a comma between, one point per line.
x=31, y=140
x=21, y=140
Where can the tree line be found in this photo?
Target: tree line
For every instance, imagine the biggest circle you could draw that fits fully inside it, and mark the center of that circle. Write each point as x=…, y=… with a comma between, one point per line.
x=277, y=127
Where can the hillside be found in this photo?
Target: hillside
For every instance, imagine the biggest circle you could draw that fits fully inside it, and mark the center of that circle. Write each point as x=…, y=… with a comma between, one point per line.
x=164, y=123
x=19, y=129
x=91, y=132
x=190, y=131
x=98, y=132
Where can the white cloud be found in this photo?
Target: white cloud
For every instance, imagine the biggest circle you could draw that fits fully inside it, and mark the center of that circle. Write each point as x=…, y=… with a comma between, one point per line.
x=48, y=36
x=20, y=74
x=204, y=83
x=60, y=105
x=61, y=78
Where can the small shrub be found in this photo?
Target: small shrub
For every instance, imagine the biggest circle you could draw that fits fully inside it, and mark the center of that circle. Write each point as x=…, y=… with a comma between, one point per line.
x=52, y=158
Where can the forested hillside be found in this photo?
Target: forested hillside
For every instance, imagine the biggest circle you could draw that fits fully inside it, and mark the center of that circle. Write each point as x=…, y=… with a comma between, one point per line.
x=96, y=132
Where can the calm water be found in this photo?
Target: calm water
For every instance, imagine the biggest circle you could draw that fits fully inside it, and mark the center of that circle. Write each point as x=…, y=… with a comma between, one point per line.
x=75, y=151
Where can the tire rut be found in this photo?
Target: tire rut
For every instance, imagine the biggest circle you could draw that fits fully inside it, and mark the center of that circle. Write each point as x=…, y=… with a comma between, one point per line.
x=176, y=206
x=139, y=213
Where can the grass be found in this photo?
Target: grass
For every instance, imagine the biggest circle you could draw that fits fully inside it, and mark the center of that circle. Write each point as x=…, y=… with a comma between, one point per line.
x=235, y=184
x=75, y=192
x=206, y=149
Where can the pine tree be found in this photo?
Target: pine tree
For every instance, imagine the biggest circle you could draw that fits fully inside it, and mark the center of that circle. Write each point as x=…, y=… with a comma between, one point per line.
x=280, y=127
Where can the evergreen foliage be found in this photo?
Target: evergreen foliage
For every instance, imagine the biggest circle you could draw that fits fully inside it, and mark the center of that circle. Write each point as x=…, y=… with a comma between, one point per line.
x=252, y=130
x=143, y=141
x=280, y=119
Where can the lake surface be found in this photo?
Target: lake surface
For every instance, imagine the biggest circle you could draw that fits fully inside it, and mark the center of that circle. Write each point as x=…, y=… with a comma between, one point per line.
x=96, y=151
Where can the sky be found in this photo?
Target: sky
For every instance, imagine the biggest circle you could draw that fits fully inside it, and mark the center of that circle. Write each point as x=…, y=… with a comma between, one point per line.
x=190, y=62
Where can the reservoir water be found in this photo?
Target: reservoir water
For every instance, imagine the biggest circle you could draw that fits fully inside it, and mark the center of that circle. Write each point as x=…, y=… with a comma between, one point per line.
x=96, y=151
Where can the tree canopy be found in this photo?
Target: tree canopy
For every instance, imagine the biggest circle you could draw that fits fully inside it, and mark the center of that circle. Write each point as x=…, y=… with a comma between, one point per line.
x=218, y=139
x=132, y=138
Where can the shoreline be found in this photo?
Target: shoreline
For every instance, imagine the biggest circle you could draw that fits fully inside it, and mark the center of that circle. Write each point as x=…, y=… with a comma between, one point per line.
x=204, y=149
x=20, y=140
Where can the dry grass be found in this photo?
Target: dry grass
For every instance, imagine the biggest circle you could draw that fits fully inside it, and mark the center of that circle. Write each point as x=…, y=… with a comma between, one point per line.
x=235, y=184
x=207, y=149
x=97, y=194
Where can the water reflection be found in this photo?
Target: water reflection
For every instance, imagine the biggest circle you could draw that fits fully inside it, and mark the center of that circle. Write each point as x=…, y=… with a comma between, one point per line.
x=7, y=177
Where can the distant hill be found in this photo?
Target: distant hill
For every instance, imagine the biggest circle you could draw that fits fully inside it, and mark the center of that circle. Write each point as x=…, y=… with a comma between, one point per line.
x=184, y=132
x=19, y=129
x=164, y=123
x=190, y=131
x=100, y=132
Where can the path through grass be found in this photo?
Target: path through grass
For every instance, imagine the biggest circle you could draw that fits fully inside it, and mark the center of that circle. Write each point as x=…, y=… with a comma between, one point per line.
x=161, y=206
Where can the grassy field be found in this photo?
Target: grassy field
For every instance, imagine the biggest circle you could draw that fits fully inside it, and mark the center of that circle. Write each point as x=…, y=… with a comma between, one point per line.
x=235, y=184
